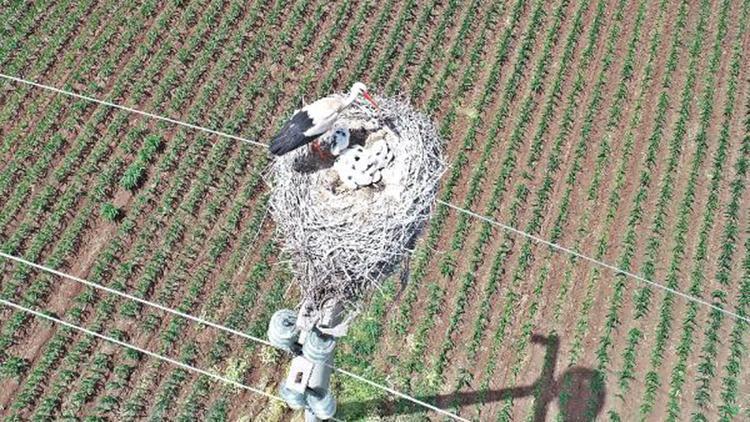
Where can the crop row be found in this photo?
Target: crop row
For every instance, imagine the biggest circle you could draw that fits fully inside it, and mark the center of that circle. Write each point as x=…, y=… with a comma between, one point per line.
x=560, y=220
x=59, y=28
x=213, y=159
x=580, y=150
x=584, y=226
x=641, y=299
x=77, y=152
x=424, y=254
x=636, y=213
x=12, y=138
x=707, y=366
x=531, y=32
x=521, y=191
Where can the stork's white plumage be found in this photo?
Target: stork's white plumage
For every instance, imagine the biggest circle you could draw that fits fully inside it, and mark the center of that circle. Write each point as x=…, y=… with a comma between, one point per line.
x=315, y=119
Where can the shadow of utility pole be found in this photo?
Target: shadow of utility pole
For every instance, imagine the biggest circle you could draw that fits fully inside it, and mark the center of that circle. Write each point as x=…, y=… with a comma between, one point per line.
x=580, y=392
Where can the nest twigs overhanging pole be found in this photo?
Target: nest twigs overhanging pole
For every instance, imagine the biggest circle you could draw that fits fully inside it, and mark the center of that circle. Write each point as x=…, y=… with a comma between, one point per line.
x=342, y=244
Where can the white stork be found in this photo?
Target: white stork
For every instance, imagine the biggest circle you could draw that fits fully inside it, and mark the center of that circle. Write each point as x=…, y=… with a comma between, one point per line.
x=315, y=119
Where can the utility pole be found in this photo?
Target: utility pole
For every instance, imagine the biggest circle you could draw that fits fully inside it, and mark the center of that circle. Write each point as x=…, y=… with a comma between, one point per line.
x=310, y=335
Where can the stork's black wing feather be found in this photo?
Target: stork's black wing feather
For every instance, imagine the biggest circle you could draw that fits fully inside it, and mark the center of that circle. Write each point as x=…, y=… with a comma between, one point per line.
x=292, y=135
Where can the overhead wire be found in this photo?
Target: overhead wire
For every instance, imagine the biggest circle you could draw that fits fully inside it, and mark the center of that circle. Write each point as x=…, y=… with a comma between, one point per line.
x=223, y=328
x=140, y=350
x=130, y=109
x=495, y=223
x=448, y=204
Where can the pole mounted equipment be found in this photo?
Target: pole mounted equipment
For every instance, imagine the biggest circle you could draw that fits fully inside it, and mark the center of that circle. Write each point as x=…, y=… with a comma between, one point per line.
x=347, y=211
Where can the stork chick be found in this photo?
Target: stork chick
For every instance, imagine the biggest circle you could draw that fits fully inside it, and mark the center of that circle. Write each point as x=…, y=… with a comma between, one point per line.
x=359, y=167
x=332, y=144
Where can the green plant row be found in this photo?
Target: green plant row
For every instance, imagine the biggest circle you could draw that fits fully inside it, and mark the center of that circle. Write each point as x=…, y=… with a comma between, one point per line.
x=614, y=198
x=506, y=245
x=423, y=256
x=392, y=82
x=656, y=357
x=602, y=161
x=207, y=95
x=369, y=46
x=642, y=298
x=462, y=294
x=58, y=28
x=636, y=212
x=731, y=394
x=352, y=36
x=561, y=219
x=63, y=172
x=25, y=146
x=482, y=319
x=20, y=16
x=391, y=46
x=525, y=257
x=75, y=154
x=707, y=366
x=434, y=53
x=455, y=55
x=89, y=41
x=512, y=87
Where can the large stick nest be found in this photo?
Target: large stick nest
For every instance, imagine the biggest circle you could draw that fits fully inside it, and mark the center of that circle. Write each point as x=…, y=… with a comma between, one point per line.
x=343, y=243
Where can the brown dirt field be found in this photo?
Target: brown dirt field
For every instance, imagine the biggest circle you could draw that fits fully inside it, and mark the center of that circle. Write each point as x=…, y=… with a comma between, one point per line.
x=553, y=345
x=55, y=75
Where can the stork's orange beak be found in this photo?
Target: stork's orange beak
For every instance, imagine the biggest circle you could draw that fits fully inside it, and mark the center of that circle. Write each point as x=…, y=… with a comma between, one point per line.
x=369, y=98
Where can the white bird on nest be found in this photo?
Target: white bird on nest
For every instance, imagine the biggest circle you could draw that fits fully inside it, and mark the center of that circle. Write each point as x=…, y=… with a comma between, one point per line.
x=315, y=119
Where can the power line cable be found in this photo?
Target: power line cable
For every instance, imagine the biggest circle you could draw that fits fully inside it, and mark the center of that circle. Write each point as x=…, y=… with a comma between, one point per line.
x=173, y=311
x=457, y=208
x=226, y=329
x=130, y=109
x=141, y=350
x=595, y=261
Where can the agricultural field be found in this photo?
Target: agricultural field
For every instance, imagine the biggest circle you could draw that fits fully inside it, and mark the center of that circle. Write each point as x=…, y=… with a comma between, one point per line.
x=617, y=129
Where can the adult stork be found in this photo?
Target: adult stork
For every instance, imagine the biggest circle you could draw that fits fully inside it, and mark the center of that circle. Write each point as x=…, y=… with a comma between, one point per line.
x=315, y=119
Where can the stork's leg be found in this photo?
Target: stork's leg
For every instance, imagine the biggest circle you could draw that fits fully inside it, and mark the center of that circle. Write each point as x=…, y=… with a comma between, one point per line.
x=319, y=151
x=315, y=148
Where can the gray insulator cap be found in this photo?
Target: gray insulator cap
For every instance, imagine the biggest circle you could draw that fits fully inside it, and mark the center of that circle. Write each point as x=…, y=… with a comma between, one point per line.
x=294, y=399
x=282, y=329
x=310, y=416
x=318, y=347
x=324, y=407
